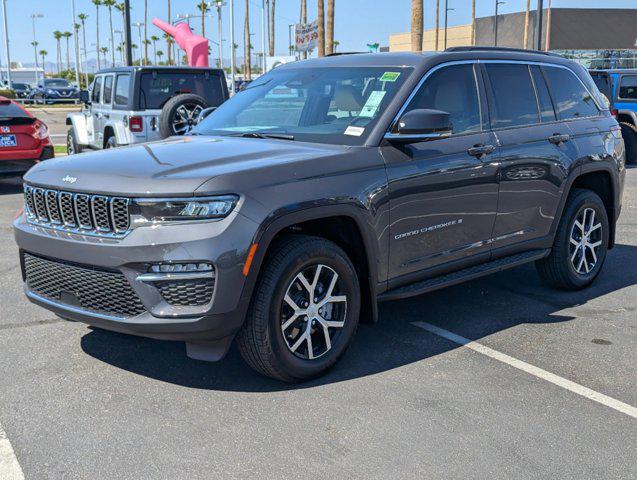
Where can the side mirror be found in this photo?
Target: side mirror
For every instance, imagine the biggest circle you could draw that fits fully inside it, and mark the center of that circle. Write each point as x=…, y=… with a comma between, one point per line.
x=84, y=97
x=421, y=124
x=204, y=113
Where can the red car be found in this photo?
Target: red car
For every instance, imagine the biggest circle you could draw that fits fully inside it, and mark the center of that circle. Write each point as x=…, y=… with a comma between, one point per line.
x=24, y=140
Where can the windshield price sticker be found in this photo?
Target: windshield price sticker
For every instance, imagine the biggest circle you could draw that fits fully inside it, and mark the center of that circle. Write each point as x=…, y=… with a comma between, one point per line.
x=390, y=76
x=354, y=131
x=373, y=102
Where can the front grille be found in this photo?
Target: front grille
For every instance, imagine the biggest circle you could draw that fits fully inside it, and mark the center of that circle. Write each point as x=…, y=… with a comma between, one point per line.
x=90, y=289
x=187, y=293
x=95, y=214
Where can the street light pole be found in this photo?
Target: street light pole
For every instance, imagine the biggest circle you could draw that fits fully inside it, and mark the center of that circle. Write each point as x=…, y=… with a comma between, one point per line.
x=35, y=46
x=233, y=53
x=77, y=47
x=6, y=42
x=538, y=25
x=127, y=33
x=495, y=36
x=262, y=36
x=218, y=5
x=447, y=9
x=139, y=26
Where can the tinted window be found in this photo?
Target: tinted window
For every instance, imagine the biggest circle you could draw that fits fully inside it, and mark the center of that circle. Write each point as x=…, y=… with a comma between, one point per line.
x=603, y=82
x=452, y=89
x=514, y=100
x=122, y=87
x=56, y=82
x=158, y=87
x=571, y=99
x=547, y=113
x=11, y=110
x=97, y=89
x=628, y=87
x=108, y=90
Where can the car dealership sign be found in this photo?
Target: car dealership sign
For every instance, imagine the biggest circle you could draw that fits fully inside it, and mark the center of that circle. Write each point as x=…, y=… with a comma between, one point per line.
x=306, y=36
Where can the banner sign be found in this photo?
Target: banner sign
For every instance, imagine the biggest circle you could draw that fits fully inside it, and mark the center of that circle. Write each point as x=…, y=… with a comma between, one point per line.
x=306, y=36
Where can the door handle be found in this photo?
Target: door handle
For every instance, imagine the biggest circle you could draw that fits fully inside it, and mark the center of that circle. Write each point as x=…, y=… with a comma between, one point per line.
x=558, y=138
x=480, y=151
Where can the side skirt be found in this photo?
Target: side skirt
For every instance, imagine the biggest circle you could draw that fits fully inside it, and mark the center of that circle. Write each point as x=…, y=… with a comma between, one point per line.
x=454, y=278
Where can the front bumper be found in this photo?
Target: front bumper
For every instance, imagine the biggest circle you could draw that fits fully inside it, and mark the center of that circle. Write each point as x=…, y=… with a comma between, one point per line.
x=224, y=244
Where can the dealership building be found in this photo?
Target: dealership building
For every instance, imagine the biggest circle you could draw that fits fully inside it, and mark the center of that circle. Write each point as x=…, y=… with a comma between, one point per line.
x=599, y=37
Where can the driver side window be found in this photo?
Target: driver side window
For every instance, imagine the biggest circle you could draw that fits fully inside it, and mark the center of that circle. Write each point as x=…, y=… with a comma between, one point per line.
x=97, y=90
x=452, y=89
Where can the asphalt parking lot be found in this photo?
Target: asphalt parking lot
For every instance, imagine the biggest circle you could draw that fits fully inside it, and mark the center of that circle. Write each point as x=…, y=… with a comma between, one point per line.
x=55, y=119
x=81, y=403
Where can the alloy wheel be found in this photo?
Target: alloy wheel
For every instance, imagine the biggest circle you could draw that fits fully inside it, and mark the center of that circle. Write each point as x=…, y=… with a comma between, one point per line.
x=313, y=312
x=185, y=118
x=585, y=241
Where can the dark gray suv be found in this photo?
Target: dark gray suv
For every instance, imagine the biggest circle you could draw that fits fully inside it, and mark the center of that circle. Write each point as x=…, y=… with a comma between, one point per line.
x=325, y=187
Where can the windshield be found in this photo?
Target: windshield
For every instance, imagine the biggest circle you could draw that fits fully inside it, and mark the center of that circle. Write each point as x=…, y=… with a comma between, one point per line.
x=326, y=105
x=19, y=86
x=56, y=82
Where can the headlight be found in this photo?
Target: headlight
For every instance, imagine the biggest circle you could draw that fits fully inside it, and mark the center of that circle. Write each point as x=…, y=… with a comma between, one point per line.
x=50, y=92
x=187, y=209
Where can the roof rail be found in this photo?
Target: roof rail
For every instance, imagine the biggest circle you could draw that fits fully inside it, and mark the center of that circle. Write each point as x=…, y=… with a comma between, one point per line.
x=498, y=49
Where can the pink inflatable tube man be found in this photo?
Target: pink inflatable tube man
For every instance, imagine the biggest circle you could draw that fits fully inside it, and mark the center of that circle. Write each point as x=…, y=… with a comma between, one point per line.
x=195, y=46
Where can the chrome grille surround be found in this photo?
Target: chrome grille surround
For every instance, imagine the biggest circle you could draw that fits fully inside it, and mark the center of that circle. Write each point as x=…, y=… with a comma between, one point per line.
x=97, y=215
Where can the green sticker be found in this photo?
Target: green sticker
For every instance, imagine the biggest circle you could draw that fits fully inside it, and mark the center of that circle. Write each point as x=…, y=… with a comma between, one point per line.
x=390, y=76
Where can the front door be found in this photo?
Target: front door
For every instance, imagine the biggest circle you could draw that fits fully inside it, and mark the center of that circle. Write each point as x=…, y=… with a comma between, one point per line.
x=92, y=113
x=444, y=191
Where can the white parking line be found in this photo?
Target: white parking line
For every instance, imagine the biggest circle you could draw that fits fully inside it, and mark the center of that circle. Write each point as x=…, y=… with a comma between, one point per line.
x=533, y=370
x=9, y=467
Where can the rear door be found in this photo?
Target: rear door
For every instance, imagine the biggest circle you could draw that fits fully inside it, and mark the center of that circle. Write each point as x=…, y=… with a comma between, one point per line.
x=443, y=192
x=106, y=105
x=533, y=149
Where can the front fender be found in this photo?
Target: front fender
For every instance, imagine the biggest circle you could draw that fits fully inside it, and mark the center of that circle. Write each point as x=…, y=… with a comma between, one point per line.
x=77, y=121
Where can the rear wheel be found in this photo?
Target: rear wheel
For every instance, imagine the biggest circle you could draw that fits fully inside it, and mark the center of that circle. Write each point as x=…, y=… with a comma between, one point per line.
x=629, y=133
x=111, y=142
x=304, y=312
x=71, y=143
x=581, y=243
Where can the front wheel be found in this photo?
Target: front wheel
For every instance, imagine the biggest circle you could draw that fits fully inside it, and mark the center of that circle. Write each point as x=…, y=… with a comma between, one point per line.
x=304, y=311
x=580, y=245
x=71, y=143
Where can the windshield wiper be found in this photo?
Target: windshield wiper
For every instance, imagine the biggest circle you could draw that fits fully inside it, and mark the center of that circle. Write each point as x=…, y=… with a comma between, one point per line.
x=278, y=136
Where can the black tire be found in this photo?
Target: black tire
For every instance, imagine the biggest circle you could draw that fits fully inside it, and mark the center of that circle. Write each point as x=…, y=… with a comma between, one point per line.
x=170, y=113
x=72, y=146
x=261, y=340
x=558, y=269
x=111, y=142
x=629, y=132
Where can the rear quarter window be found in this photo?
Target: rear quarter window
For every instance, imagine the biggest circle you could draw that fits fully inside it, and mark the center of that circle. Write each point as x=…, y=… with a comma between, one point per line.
x=571, y=98
x=122, y=89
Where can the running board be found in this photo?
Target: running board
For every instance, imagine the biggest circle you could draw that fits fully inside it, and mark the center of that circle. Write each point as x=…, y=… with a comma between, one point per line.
x=453, y=278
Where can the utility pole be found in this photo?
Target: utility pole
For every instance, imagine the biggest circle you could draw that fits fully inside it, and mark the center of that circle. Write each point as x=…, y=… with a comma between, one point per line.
x=6, y=42
x=495, y=36
x=262, y=37
x=233, y=58
x=127, y=33
x=538, y=25
x=77, y=47
x=218, y=5
x=35, y=46
x=447, y=9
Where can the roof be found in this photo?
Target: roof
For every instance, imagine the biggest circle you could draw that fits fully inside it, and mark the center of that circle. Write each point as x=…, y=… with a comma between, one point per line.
x=155, y=67
x=613, y=70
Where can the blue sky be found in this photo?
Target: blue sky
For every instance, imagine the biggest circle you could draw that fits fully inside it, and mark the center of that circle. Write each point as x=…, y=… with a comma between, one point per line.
x=357, y=21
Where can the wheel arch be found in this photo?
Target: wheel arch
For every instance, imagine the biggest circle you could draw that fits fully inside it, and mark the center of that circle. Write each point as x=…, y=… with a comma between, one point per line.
x=347, y=230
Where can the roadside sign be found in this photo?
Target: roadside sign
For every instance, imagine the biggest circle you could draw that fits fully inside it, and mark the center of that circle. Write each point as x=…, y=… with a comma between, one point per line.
x=306, y=36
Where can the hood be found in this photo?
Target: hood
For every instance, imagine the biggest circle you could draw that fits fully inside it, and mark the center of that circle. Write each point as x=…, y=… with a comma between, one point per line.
x=175, y=166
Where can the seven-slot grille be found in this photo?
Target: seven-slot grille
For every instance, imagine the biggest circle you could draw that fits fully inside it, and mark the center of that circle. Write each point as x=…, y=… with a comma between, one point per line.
x=96, y=214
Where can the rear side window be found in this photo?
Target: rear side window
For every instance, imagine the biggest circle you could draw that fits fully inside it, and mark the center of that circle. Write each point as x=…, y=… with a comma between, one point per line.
x=108, y=90
x=97, y=90
x=547, y=113
x=571, y=98
x=628, y=87
x=156, y=88
x=603, y=82
x=453, y=90
x=514, y=100
x=122, y=87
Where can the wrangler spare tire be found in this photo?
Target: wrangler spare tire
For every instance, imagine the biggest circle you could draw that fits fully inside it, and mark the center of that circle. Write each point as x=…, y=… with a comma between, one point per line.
x=180, y=113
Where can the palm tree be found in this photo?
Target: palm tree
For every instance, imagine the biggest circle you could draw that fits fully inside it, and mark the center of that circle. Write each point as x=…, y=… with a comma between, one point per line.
x=76, y=30
x=110, y=4
x=169, y=40
x=154, y=39
x=247, y=64
x=336, y=43
x=303, y=21
x=329, y=29
x=321, y=28
x=43, y=54
x=82, y=17
x=526, y=24
x=35, y=44
x=271, y=29
x=97, y=4
x=120, y=49
x=67, y=36
x=58, y=57
x=416, y=25
x=160, y=54
x=121, y=7
x=438, y=24
x=104, y=51
x=146, y=42
x=204, y=9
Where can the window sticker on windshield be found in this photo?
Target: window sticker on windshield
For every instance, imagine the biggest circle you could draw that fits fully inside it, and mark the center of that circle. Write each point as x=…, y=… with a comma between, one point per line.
x=354, y=131
x=371, y=105
x=390, y=76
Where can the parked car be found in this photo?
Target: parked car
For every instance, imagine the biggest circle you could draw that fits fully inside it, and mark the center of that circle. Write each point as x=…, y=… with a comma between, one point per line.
x=54, y=90
x=24, y=140
x=620, y=87
x=130, y=105
x=22, y=90
x=280, y=222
